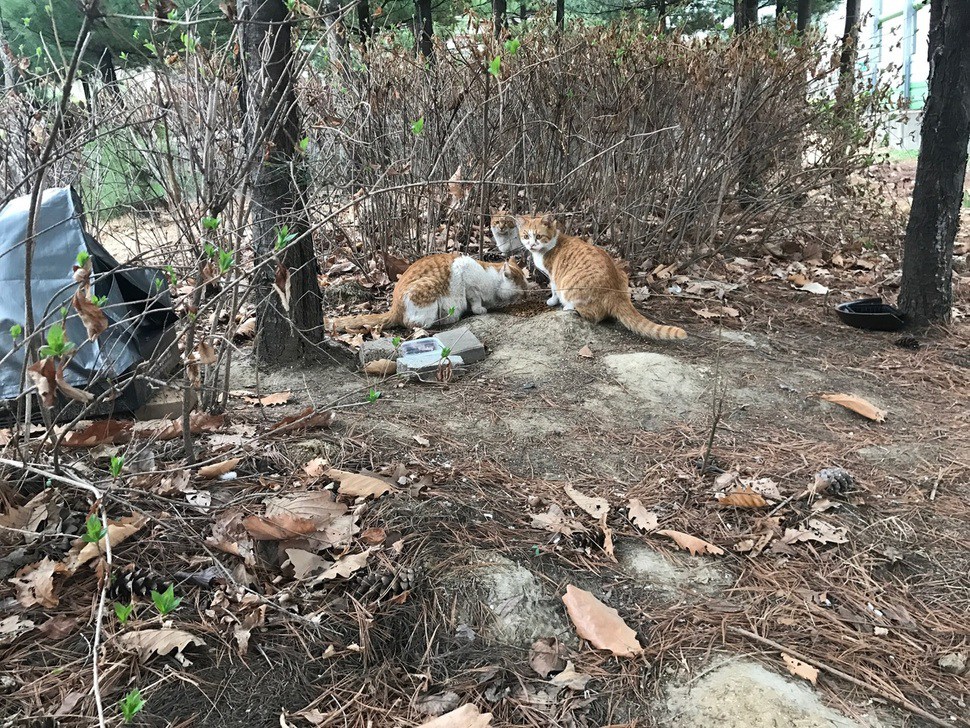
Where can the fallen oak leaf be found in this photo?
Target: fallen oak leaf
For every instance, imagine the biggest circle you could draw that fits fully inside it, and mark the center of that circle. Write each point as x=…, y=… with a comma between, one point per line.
x=205, y=353
x=148, y=642
x=345, y=566
x=437, y=704
x=743, y=497
x=800, y=669
x=556, y=521
x=359, y=485
x=586, y=352
x=691, y=543
x=305, y=420
x=381, y=367
x=571, y=679
x=270, y=400
x=216, y=469
x=599, y=624
x=102, y=432
x=278, y=527
x=594, y=506
x=467, y=716
x=117, y=532
x=305, y=563
x=546, y=656
x=856, y=404
x=70, y=391
x=640, y=517
x=317, y=468
x=35, y=583
x=199, y=422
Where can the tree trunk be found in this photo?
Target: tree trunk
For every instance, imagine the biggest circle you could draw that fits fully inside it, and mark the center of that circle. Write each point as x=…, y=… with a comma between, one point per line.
x=847, y=58
x=365, y=28
x=499, y=8
x=272, y=123
x=109, y=76
x=561, y=14
x=523, y=10
x=745, y=15
x=804, y=17
x=425, y=28
x=662, y=16
x=936, y=12
x=926, y=294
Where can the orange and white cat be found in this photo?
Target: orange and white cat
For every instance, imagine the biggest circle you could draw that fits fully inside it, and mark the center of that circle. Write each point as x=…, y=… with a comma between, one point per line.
x=585, y=278
x=505, y=232
x=437, y=290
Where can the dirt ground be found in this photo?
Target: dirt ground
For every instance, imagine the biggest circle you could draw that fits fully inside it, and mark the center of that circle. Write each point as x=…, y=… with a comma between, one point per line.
x=872, y=586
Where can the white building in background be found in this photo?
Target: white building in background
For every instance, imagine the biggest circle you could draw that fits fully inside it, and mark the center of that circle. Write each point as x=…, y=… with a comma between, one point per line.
x=893, y=48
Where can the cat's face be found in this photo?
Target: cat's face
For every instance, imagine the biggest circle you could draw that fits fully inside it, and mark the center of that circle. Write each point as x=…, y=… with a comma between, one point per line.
x=504, y=232
x=513, y=283
x=538, y=234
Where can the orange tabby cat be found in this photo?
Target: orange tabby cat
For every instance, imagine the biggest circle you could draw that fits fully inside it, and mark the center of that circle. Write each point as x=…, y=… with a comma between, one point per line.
x=438, y=289
x=585, y=278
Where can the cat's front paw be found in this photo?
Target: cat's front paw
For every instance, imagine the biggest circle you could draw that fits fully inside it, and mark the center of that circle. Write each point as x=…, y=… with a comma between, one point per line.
x=479, y=310
x=552, y=300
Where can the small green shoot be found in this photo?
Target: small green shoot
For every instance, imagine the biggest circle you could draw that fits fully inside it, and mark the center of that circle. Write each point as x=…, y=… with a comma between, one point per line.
x=304, y=143
x=166, y=601
x=172, y=278
x=94, y=530
x=284, y=237
x=395, y=342
x=150, y=47
x=123, y=611
x=225, y=260
x=373, y=395
x=495, y=67
x=57, y=343
x=445, y=352
x=291, y=5
x=82, y=258
x=451, y=311
x=209, y=250
x=16, y=331
x=210, y=223
x=99, y=301
x=189, y=42
x=131, y=705
x=117, y=465
x=536, y=551
x=417, y=126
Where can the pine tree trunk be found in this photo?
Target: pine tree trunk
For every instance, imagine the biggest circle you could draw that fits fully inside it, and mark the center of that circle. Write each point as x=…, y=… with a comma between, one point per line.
x=804, y=17
x=272, y=122
x=745, y=15
x=499, y=8
x=523, y=10
x=561, y=14
x=425, y=28
x=926, y=294
x=365, y=28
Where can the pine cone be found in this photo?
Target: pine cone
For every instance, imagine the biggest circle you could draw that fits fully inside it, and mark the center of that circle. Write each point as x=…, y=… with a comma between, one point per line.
x=378, y=586
x=135, y=581
x=834, y=481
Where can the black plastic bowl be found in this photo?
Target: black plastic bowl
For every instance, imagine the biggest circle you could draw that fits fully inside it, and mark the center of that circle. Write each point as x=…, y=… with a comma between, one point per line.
x=871, y=314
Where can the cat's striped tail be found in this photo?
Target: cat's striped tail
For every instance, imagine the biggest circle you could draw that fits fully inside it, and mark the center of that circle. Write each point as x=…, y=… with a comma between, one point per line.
x=364, y=321
x=639, y=324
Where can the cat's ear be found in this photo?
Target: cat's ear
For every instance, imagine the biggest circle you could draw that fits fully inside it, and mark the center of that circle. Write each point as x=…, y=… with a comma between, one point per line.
x=520, y=221
x=549, y=221
x=506, y=270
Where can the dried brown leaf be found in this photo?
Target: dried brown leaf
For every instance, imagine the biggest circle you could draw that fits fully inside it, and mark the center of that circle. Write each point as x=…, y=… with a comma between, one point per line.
x=148, y=642
x=586, y=352
x=205, y=353
x=35, y=583
x=743, y=497
x=571, y=679
x=305, y=563
x=691, y=543
x=437, y=704
x=44, y=376
x=467, y=716
x=93, y=318
x=229, y=535
x=800, y=669
x=102, y=432
x=546, y=656
x=246, y=330
x=359, y=485
x=118, y=531
x=599, y=624
x=270, y=400
x=373, y=536
x=345, y=566
x=216, y=469
x=282, y=285
x=278, y=527
x=642, y=518
x=305, y=420
x=317, y=468
x=381, y=367
x=69, y=390
x=594, y=506
x=556, y=521
x=858, y=405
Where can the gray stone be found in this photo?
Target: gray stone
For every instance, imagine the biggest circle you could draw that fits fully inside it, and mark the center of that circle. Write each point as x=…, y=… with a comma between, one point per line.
x=376, y=349
x=463, y=343
x=424, y=363
x=672, y=578
x=954, y=663
x=743, y=694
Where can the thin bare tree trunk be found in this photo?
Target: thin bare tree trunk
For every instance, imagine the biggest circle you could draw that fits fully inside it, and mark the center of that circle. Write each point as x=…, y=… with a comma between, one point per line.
x=926, y=294
x=425, y=28
x=561, y=14
x=499, y=20
x=804, y=17
x=272, y=120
